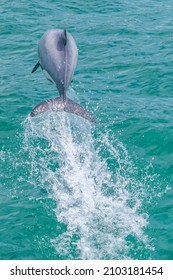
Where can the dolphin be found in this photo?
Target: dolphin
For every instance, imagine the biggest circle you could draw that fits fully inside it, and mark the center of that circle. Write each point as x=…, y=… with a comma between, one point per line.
x=57, y=52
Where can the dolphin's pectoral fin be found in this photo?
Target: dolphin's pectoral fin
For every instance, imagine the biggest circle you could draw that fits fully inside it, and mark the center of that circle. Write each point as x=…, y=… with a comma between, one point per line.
x=57, y=104
x=35, y=67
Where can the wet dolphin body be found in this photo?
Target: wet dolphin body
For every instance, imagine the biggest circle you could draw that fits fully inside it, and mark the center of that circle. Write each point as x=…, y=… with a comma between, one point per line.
x=57, y=53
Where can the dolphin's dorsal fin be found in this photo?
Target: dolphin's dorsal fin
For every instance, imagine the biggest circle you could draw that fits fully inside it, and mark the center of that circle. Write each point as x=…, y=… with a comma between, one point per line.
x=35, y=67
x=64, y=37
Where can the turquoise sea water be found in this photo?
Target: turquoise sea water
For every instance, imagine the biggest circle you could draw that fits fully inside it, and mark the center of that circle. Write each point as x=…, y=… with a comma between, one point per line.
x=69, y=190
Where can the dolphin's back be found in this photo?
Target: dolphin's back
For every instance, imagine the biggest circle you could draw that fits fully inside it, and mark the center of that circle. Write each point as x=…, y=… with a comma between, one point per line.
x=58, y=57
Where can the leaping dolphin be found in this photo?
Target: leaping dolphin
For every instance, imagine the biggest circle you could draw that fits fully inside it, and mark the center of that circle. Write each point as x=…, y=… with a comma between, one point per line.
x=58, y=53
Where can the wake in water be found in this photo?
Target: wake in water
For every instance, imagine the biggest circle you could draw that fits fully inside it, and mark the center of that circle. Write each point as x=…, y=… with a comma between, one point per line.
x=98, y=198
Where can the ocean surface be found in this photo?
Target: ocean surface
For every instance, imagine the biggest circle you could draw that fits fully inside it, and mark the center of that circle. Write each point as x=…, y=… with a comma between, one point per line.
x=69, y=189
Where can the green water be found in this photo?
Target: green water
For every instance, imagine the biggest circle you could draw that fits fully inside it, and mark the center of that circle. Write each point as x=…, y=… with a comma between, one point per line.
x=69, y=190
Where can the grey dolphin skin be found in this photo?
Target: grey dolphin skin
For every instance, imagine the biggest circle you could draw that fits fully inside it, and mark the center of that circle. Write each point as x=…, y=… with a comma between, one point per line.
x=58, y=53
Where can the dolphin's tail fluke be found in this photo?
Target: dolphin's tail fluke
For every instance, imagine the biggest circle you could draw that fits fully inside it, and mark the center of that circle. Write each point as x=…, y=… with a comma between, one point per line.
x=58, y=104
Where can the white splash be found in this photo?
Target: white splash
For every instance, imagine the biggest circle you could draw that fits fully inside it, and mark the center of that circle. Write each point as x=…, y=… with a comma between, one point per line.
x=93, y=183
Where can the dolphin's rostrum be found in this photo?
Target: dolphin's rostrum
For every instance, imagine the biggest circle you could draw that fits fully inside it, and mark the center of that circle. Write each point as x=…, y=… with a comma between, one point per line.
x=57, y=53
